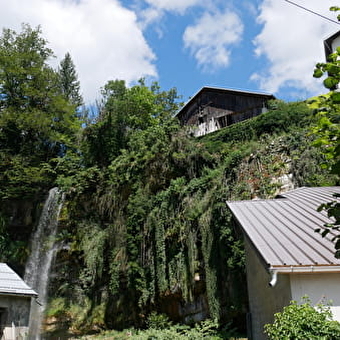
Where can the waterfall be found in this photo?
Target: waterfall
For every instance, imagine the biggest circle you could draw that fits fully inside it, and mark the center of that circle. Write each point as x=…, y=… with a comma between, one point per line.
x=39, y=262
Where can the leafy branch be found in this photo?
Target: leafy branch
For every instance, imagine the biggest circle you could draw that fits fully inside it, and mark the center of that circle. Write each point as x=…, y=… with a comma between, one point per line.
x=328, y=132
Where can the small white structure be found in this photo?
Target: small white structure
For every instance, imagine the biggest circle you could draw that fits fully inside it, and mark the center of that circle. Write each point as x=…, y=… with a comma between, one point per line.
x=285, y=258
x=15, y=303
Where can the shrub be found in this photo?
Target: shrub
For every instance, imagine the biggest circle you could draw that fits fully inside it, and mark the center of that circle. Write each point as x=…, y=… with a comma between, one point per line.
x=158, y=321
x=303, y=321
x=283, y=117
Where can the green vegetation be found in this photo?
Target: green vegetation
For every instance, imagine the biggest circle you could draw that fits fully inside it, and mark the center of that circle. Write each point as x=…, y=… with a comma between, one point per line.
x=205, y=330
x=38, y=127
x=303, y=321
x=328, y=132
x=37, y=124
x=144, y=228
x=68, y=81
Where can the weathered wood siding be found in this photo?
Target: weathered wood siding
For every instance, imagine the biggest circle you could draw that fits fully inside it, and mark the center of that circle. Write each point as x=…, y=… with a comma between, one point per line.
x=214, y=109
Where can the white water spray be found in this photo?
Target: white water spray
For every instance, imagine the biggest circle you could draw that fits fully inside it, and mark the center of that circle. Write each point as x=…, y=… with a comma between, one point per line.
x=39, y=262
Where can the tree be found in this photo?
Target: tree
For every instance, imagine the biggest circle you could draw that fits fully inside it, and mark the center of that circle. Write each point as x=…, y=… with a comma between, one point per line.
x=328, y=132
x=123, y=112
x=23, y=71
x=69, y=83
x=37, y=123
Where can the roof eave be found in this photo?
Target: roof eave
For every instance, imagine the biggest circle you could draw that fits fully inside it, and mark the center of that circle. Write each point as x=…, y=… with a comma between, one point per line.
x=212, y=88
x=19, y=294
x=305, y=269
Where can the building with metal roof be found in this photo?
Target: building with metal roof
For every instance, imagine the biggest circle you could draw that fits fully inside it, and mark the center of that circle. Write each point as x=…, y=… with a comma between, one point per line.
x=15, y=304
x=213, y=108
x=12, y=284
x=285, y=258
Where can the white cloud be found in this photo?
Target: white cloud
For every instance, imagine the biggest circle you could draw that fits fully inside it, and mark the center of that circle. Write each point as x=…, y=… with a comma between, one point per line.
x=104, y=38
x=292, y=41
x=150, y=16
x=211, y=38
x=156, y=10
x=173, y=5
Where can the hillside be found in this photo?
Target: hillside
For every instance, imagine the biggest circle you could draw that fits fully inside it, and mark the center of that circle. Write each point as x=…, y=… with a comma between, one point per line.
x=137, y=205
x=151, y=232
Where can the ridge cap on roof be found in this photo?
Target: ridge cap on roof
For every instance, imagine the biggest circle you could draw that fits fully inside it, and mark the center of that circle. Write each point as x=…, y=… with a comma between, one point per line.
x=235, y=89
x=284, y=195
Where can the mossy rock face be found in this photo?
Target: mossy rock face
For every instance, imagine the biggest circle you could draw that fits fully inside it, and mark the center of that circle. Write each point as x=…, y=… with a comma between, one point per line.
x=19, y=219
x=143, y=228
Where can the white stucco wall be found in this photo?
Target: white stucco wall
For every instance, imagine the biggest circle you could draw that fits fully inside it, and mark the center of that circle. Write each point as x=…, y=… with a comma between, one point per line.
x=264, y=301
x=319, y=287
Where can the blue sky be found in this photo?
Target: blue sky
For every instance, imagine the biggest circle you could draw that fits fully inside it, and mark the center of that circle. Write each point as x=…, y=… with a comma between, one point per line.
x=258, y=45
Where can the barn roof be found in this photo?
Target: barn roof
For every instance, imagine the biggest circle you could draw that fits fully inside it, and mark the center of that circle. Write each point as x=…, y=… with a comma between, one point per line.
x=264, y=95
x=12, y=284
x=282, y=229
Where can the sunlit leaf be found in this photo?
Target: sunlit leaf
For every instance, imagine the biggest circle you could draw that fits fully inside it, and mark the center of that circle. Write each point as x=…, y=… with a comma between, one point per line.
x=335, y=96
x=317, y=73
x=330, y=82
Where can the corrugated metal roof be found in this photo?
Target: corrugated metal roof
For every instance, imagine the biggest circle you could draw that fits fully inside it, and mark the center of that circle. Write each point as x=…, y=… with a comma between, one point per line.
x=282, y=229
x=12, y=284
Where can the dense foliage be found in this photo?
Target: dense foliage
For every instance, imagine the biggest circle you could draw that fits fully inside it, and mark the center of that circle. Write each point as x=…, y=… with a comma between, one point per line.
x=303, y=321
x=148, y=230
x=37, y=124
x=207, y=329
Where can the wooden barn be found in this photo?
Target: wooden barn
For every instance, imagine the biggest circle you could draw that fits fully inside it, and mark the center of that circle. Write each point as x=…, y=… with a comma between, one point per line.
x=211, y=108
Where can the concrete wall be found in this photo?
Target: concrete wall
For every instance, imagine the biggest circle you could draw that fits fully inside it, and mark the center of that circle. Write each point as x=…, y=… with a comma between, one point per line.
x=319, y=287
x=14, y=317
x=264, y=301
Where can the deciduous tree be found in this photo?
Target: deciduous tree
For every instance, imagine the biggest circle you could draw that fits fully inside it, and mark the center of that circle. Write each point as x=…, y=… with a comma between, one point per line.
x=36, y=121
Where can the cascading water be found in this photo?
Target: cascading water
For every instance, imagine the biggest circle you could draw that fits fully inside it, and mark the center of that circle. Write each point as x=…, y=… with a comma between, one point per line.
x=39, y=262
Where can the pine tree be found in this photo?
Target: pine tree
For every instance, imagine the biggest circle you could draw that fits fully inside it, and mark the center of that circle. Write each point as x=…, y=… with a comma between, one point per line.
x=69, y=83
